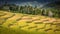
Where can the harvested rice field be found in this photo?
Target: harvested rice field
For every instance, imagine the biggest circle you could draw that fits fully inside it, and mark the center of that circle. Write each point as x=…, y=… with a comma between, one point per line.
x=18, y=23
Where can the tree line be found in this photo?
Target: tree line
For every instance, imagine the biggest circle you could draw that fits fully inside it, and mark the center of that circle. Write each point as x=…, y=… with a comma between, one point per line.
x=31, y=10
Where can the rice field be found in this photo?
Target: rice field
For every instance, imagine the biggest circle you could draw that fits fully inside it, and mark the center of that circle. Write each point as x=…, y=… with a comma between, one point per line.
x=17, y=23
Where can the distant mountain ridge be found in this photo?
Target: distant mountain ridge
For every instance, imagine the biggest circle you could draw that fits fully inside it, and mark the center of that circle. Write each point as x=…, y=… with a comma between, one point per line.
x=34, y=3
x=55, y=4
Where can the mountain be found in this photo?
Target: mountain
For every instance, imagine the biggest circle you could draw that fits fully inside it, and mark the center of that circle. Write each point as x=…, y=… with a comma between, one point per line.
x=55, y=4
x=32, y=3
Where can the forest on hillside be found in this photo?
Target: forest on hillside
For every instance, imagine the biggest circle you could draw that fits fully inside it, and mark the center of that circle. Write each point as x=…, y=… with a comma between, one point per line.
x=51, y=12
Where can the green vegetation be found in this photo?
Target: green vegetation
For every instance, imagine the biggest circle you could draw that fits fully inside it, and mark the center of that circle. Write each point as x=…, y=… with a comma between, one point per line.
x=51, y=12
x=4, y=30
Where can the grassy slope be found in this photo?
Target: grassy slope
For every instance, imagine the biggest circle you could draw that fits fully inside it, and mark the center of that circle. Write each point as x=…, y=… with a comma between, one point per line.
x=15, y=23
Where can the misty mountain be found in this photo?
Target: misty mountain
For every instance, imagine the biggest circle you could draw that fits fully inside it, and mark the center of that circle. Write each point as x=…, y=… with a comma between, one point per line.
x=33, y=4
x=55, y=4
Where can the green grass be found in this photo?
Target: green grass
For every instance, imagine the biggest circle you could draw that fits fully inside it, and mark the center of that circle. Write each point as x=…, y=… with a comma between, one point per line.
x=4, y=30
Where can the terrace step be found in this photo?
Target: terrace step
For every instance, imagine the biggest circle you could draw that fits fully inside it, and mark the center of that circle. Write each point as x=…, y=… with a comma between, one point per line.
x=30, y=23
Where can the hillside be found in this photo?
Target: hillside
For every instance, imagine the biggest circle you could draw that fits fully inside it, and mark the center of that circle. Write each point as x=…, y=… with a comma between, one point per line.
x=34, y=10
x=18, y=23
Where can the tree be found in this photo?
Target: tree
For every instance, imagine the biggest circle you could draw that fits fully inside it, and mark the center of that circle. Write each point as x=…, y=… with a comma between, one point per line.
x=43, y=12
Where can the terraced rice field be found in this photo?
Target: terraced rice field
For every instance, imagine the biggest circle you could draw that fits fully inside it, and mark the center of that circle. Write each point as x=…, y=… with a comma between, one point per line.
x=16, y=23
